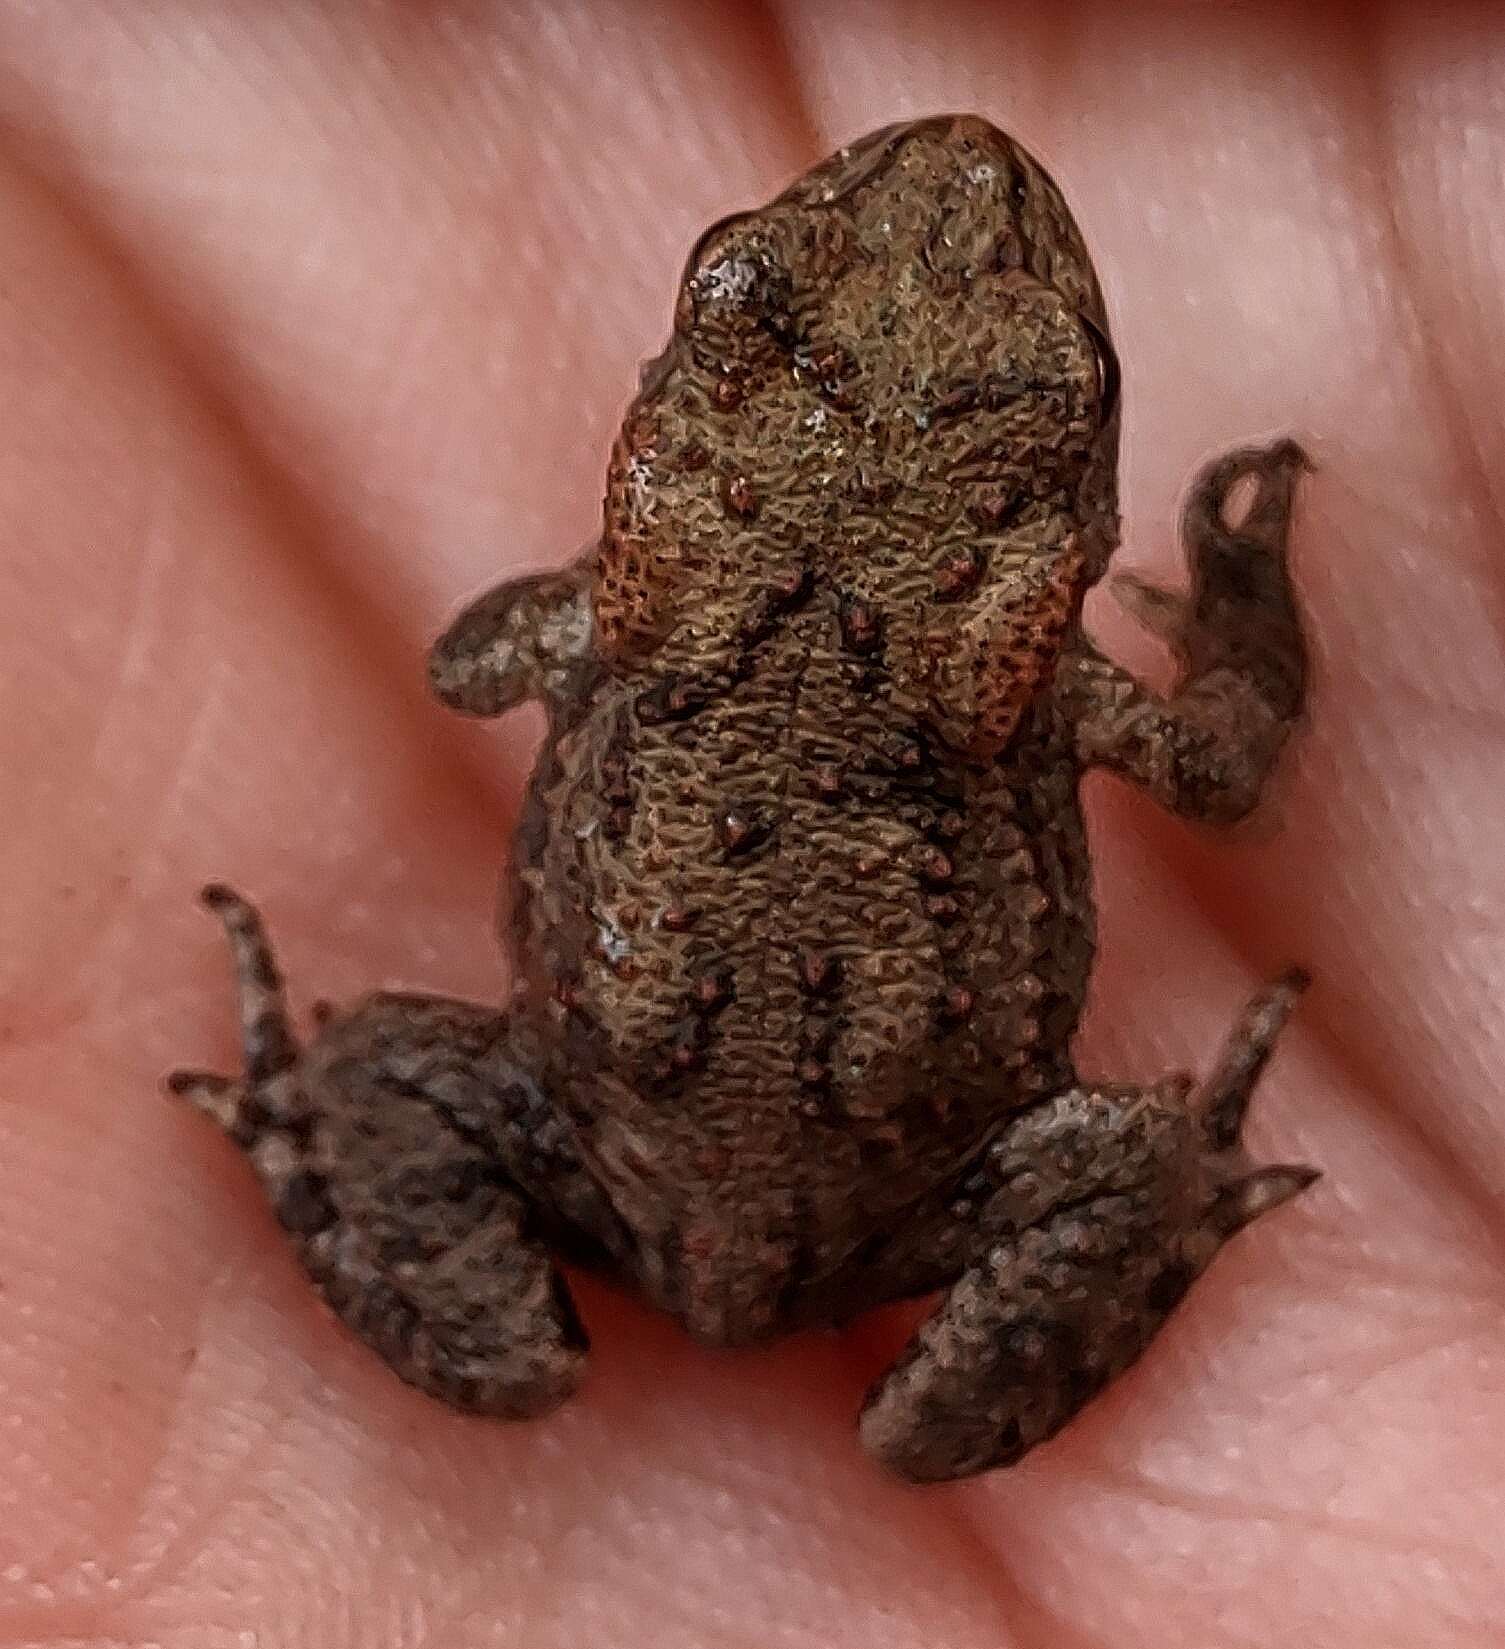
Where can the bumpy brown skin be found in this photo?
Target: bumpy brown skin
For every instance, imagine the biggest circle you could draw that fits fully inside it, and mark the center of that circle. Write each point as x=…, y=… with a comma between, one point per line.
x=802, y=904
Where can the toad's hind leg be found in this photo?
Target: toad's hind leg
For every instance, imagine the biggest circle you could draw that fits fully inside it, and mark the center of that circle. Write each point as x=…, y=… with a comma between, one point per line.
x=1109, y=1203
x=380, y=1148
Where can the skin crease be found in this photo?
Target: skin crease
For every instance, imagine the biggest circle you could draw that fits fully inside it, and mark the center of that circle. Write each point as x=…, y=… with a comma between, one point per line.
x=311, y=328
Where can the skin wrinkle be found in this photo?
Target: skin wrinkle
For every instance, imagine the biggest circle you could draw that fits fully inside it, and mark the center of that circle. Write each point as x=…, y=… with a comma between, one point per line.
x=347, y=599
x=1331, y=1029
x=1326, y=1253
x=1368, y=1075
x=867, y=1349
x=1487, y=721
x=113, y=927
x=41, y=1628
x=189, y=1541
x=770, y=44
x=1449, y=400
x=76, y=1341
x=136, y=292
x=1361, y=1060
x=1360, y=1372
x=1223, y=1510
x=1363, y=1067
x=294, y=517
x=33, y=1626
x=1211, y=884
x=1164, y=839
x=1031, y=1623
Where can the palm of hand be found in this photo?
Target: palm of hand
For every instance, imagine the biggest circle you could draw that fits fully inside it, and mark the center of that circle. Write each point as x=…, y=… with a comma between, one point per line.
x=262, y=336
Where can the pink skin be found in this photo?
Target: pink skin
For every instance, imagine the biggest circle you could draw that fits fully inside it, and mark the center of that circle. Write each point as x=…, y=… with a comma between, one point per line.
x=309, y=329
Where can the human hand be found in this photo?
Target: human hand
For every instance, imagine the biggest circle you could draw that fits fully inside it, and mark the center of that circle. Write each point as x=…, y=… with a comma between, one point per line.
x=314, y=321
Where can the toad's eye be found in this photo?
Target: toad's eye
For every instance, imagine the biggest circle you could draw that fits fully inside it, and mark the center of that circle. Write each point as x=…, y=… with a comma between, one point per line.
x=735, y=277
x=1107, y=370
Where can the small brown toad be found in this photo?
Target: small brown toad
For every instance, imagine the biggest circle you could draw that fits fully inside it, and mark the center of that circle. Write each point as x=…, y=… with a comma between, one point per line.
x=801, y=908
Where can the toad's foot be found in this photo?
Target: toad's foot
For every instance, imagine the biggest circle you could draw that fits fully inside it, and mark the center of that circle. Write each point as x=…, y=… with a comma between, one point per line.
x=1207, y=750
x=380, y=1148
x=1110, y=1203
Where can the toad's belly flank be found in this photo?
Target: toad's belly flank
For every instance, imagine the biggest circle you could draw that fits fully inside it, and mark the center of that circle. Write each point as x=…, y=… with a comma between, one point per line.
x=797, y=959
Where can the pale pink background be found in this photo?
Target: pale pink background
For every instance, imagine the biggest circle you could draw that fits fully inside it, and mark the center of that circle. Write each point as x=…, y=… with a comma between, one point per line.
x=314, y=318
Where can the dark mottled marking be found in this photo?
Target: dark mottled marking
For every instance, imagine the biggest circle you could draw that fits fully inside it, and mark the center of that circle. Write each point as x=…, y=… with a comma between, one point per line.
x=615, y=784
x=740, y=831
x=760, y=618
x=873, y=488
x=957, y=1004
x=672, y=699
x=263, y=971
x=401, y=1248
x=794, y=585
x=992, y=393
x=831, y=368
x=943, y=908
x=305, y=1206
x=803, y=1261
x=447, y=1159
x=205, y=1082
x=819, y=971
x=905, y=753
x=253, y=1117
x=861, y=625
x=533, y=829
x=960, y=575
x=460, y=1181
x=739, y=497
x=689, y=1041
x=713, y=987
x=936, y=867
x=957, y=402
x=713, y=1162
x=789, y=590
x=994, y=509
x=269, y=1047
x=1010, y=1444
x=878, y=1150
x=1081, y=1384
x=219, y=898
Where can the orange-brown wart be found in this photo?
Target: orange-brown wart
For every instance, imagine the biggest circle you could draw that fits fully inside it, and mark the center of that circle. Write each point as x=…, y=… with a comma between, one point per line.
x=801, y=902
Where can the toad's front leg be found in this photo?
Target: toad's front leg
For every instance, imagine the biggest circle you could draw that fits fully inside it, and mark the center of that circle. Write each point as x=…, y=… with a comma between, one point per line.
x=1205, y=751
x=1109, y=1203
x=383, y=1149
x=528, y=638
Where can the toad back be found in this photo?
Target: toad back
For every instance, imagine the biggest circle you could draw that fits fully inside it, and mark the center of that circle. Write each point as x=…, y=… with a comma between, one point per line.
x=801, y=909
